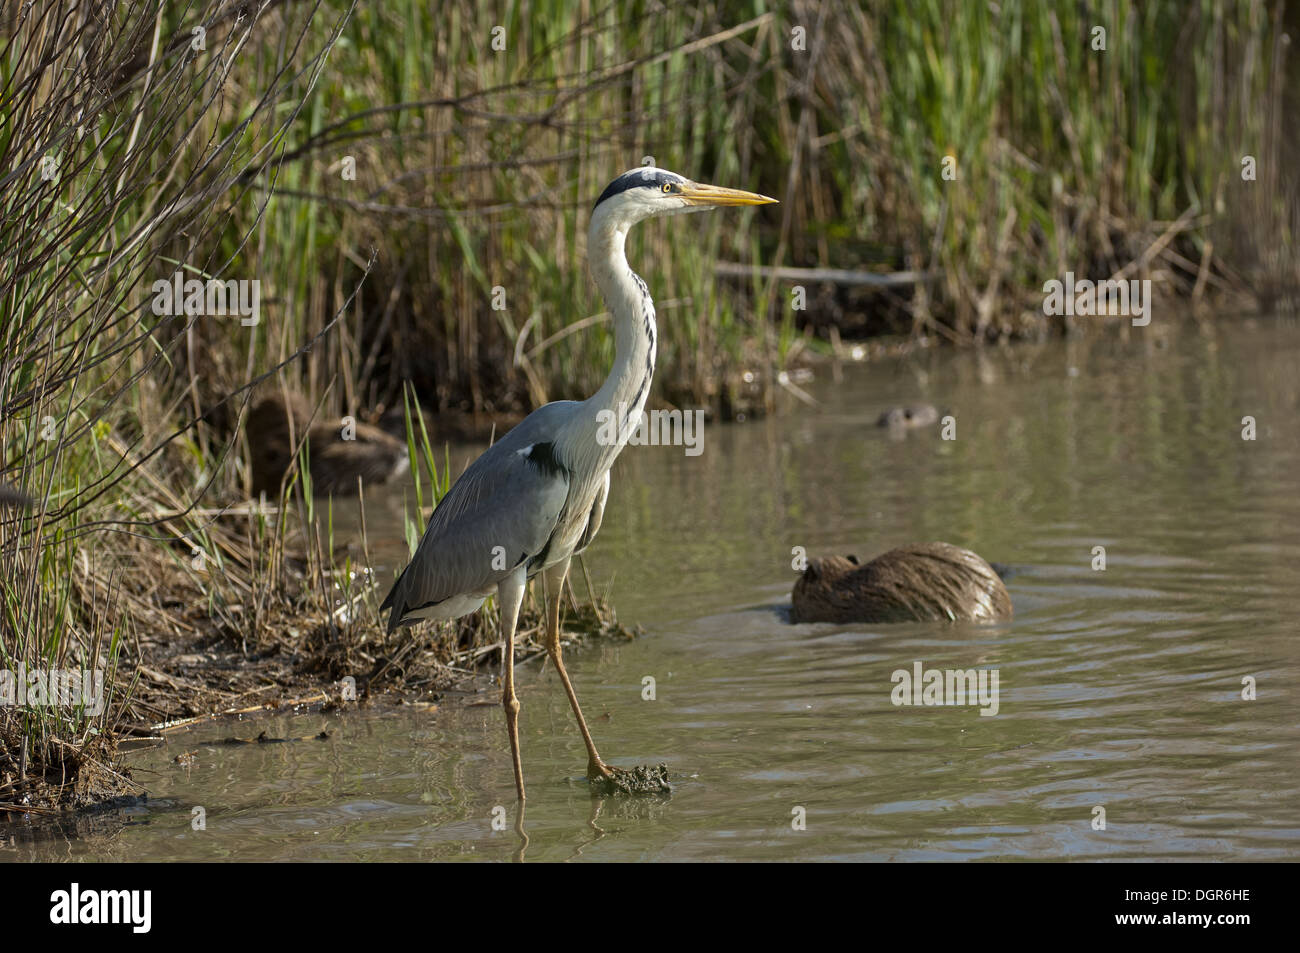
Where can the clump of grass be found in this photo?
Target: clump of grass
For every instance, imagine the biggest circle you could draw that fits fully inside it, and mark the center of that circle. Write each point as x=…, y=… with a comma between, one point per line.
x=1104, y=140
x=115, y=173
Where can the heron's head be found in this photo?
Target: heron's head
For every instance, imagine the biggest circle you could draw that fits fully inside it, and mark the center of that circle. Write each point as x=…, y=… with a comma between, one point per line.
x=645, y=192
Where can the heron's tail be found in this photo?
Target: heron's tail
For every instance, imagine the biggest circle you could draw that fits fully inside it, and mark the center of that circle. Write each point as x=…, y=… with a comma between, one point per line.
x=391, y=603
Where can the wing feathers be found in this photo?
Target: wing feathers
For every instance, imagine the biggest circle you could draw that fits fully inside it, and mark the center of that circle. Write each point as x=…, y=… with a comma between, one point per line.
x=502, y=511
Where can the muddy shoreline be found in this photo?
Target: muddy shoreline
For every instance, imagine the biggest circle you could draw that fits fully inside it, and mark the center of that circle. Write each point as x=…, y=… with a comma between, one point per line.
x=296, y=667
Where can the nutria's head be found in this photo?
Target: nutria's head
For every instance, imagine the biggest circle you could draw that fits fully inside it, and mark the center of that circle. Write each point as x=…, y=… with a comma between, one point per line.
x=274, y=428
x=828, y=569
x=820, y=591
x=269, y=420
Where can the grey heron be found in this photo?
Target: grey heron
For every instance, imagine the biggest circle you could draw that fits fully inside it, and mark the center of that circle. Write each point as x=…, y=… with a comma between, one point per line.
x=536, y=497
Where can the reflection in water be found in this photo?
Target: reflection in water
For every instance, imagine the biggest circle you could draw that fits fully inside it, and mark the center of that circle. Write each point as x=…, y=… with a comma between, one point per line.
x=1120, y=689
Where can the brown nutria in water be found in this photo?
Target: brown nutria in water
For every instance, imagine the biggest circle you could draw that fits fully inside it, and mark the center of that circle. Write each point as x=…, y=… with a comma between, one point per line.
x=909, y=417
x=336, y=462
x=921, y=582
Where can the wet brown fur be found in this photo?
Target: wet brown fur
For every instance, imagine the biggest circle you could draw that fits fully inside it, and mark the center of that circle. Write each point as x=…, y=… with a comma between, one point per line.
x=920, y=582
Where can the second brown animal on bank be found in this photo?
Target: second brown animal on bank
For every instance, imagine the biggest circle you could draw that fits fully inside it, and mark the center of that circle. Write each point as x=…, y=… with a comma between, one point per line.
x=338, y=458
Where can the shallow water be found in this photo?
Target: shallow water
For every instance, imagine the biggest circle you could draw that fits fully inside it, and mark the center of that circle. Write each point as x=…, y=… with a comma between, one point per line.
x=1119, y=689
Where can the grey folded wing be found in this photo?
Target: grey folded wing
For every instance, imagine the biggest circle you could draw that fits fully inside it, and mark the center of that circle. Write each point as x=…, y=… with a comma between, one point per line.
x=499, y=514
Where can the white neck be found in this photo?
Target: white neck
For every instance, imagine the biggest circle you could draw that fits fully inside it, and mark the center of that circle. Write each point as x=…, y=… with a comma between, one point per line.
x=627, y=387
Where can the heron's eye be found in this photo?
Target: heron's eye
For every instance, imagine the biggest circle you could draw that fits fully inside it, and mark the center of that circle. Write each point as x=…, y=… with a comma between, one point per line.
x=668, y=187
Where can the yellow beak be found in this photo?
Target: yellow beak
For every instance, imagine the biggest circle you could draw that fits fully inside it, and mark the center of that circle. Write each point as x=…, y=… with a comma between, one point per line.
x=698, y=194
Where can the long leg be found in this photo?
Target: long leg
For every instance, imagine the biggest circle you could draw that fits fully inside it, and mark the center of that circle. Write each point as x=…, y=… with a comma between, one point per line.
x=510, y=595
x=554, y=582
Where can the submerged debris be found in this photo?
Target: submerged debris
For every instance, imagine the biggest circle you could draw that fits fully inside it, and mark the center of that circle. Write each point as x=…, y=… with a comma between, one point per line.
x=265, y=739
x=642, y=779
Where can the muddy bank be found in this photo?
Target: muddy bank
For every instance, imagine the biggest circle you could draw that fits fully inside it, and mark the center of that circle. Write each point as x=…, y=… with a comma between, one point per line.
x=43, y=775
x=298, y=658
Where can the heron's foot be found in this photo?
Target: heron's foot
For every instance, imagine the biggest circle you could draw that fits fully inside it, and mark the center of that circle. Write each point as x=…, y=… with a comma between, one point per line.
x=643, y=779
